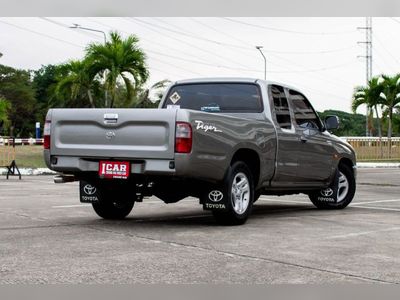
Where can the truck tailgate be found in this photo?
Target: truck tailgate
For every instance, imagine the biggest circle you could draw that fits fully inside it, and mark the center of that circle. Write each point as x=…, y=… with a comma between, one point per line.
x=113, y=133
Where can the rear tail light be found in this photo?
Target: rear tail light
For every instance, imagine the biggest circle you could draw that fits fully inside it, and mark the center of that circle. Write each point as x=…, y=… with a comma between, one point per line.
x=183, y=137
x=46, y=134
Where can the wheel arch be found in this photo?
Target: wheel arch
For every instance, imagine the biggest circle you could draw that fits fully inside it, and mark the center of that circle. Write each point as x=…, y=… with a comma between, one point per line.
x=251, y=159
x=348, y=162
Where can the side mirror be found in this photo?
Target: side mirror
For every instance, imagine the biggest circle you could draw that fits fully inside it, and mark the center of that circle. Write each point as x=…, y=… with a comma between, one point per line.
x=332, y=122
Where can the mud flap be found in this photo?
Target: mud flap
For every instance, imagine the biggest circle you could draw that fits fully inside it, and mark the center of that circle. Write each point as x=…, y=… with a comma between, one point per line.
x=329, y=195
x=215, y=199
x=88, y=193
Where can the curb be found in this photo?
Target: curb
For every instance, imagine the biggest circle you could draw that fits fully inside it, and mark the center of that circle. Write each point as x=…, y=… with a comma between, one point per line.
x=377, y=165
x=31, y=171
x=46, y=171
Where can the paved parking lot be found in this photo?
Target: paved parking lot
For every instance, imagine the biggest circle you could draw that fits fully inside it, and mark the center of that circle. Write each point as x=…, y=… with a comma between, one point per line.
x=46, y=235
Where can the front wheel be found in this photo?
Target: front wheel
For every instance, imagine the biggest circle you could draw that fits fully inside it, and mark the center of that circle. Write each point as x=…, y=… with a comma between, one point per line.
x=238, y=190
x=339, y=194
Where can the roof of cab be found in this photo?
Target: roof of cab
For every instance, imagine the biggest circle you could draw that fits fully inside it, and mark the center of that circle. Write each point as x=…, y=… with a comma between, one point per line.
x=232, y=79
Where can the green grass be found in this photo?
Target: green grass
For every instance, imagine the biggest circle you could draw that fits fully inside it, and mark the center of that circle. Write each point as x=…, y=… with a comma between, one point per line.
x=29, y=157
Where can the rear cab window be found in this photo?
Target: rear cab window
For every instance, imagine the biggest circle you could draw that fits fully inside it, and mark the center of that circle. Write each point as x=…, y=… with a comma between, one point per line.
x=280, y=107
x=216, y=97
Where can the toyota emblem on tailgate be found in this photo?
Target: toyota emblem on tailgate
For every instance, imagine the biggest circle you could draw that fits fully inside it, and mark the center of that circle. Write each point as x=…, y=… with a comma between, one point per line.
x=110, y=135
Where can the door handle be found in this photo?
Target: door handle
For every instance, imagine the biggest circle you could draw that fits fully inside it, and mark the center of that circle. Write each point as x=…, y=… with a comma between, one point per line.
x=303, y=139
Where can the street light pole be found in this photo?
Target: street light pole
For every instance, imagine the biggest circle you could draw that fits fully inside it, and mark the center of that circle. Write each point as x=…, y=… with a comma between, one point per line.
x=77, y=26
x=265, y=61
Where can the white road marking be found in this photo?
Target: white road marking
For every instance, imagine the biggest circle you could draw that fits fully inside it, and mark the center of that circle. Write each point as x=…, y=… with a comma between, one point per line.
x=357, y=205
x=70, y=206
x=376, y=207
x=283, y=200
x=377, y=201
x=361, y=233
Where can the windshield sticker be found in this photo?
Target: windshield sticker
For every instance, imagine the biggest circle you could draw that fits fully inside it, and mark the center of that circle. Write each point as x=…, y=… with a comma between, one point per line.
x=172, y=106
x=174, y=97
x=206, y=127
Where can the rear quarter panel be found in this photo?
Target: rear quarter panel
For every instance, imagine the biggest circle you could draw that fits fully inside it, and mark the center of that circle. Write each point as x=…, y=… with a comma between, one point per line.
x=214, y=148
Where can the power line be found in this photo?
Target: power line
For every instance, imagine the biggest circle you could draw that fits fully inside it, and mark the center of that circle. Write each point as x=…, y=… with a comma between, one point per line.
x=65, y=26
x=395, y=20
x=324, y=78
x=42, y=34
x=191, y=35
x=290, y=61
x=176, y=57
x=382, y=58
x=271, y=71
x=241, y=69
x=247, y=48
x=286, y=30
x=163, y=46
x=384, y=48
x=177, y=67
x=187, y=43
x=290, y=70
x=272, y=50
x=188, y=60
x=164, y=72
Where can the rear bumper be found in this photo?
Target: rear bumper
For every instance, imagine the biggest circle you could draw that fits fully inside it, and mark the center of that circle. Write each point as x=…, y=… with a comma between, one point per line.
x=72, y=164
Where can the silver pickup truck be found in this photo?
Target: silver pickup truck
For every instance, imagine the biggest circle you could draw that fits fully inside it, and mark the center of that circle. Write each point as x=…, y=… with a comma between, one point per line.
x=224, y=140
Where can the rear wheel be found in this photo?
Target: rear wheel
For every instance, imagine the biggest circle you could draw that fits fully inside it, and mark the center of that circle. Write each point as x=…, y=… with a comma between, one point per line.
x=115, y=203
x=239, y=191
x=113, y=210
x=344, y=186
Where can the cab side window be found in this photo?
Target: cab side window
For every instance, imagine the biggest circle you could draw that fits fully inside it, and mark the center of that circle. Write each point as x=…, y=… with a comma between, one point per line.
x=304, y=113
x=281, y=106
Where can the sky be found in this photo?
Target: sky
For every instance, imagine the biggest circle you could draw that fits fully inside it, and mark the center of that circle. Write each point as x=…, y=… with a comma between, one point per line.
x=319, y=56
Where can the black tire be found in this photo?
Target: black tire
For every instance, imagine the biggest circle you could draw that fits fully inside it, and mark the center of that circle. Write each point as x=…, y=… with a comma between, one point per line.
x=348, y=173
x=230, y=216
x=113, y=210
x=114, y=204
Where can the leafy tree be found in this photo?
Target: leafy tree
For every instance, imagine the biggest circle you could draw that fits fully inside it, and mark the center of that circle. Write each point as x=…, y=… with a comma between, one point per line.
x=44, y=82
x=75, y=84
x=350, y=124
x=16, y=87
x=4, y=121
x=118, y=60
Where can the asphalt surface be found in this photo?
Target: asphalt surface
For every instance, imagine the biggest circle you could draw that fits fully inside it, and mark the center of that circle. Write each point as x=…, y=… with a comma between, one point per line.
x=47, y=236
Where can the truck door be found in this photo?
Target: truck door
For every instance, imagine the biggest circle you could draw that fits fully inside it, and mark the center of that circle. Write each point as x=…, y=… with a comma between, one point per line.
x=314, y=151
x=287, y=140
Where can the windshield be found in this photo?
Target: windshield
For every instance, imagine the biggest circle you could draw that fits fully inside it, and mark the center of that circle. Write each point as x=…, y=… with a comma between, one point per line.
x=216, y=97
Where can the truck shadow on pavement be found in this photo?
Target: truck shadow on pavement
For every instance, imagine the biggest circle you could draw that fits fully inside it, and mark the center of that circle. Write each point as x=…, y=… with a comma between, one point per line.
x=205, y=218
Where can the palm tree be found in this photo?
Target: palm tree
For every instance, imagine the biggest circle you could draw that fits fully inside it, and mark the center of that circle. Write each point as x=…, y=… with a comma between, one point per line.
x=118, y=60
x=76, y=79
x=390, y=98
x=370, y=96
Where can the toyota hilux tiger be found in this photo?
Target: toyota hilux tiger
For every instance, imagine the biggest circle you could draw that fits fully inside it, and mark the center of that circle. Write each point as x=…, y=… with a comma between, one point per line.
x=226, y=141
